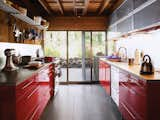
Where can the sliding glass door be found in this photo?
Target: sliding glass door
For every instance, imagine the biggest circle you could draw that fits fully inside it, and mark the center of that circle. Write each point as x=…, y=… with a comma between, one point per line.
x=75, y=56
x=55, y=46
x=76, y=49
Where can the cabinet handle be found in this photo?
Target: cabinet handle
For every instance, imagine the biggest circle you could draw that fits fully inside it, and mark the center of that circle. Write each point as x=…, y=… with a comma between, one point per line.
x=128, y=111
x=27, y=84
x=32, y=92
x=32, y=117
x=133, y=92
x=124, y=86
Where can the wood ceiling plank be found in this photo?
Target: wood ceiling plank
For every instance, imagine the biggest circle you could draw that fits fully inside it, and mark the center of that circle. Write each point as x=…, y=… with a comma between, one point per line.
x=105, y=3
x=86, y=7
x=60, y=7
x=45, y=6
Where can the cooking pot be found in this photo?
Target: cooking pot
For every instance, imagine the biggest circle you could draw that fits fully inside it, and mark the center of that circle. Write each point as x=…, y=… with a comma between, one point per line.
x=26, y=60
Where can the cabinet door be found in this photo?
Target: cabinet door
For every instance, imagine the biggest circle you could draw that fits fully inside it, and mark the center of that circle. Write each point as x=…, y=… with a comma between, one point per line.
x=107, y=78
x=125, y=26
x=100, y=71
x=125, y=9
x=137, y=3
x=113, y=18
x=147, y=16
x=115, y=84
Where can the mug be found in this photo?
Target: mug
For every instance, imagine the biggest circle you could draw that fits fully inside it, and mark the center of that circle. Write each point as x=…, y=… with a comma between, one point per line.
x=130, y=61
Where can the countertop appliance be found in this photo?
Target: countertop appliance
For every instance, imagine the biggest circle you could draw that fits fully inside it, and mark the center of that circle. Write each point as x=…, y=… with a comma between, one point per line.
x=146, y=66
x=9, y=66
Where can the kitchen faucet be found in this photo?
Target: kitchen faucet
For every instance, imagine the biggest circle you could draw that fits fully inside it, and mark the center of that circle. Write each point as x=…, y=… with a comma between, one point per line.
x=123, y=57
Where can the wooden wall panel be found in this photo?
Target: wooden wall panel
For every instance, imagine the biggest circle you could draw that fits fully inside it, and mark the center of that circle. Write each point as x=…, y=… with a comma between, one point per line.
x=3, y=27
x=76, y=23
x=7, y=25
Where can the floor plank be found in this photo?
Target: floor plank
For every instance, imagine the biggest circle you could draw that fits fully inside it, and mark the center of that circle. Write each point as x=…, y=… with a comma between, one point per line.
x=81, y=102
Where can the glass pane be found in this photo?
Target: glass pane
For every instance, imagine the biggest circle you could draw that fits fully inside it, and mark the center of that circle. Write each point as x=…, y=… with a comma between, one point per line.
x=98, y=43
x=98, y=47
x=88, y=55
x=55, y=46
x=75, y=55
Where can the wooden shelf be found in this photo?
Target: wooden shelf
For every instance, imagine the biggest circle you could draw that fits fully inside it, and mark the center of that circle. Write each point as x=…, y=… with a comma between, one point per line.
x=8, y=9
x=14, y=12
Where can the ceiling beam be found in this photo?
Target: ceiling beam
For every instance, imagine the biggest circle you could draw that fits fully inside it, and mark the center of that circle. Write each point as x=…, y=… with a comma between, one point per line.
x=86, y=7
x=116, y=5
x=60, y=7
x=105, y=3
x=45, y=6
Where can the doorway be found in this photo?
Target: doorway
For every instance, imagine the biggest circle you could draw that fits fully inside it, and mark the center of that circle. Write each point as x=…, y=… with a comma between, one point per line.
x=76, y=50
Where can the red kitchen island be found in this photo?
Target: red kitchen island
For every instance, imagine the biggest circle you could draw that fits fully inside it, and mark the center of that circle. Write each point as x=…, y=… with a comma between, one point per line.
x=25, y=93
x=137, y=96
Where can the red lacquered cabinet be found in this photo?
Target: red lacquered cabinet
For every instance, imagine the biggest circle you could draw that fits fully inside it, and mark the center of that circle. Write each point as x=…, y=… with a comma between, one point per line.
x=139, y=99
x=27, y=100
x=104, y=76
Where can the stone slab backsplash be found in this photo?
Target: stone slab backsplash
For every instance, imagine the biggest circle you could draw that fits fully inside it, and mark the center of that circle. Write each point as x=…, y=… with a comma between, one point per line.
x=22, y=49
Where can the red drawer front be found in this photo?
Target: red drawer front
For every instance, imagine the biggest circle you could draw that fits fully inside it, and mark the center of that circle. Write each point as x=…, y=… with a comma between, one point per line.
x=135, y=102
x=137, y=85
x=127, y=115
x=37, y=100
x=25, y=88
x=27, y=105
x=45, y=96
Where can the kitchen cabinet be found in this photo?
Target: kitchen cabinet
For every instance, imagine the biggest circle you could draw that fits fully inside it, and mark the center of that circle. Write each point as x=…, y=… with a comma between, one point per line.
x=125, y=26
x=26, y=100
x=148, y=16
x=104, y=76
x=138, y=3
x=115, y=84
x=132, y=96
x=113, y=17
x=124, y=9
x=135, y=14
x=138, y=98
x=34, y=93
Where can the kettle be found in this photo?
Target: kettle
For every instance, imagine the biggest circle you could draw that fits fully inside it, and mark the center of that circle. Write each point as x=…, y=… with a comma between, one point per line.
x=146, y=66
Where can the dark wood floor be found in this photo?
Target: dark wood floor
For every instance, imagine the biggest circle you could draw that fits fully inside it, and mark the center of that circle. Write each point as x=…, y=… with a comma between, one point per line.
x=81, y=102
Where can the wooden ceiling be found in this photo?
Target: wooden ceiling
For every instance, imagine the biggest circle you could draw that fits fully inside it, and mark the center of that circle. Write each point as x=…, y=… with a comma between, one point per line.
x=78, y=7
x=69, y=7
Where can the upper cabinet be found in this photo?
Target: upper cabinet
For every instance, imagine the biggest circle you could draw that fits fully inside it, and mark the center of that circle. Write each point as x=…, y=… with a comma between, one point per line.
x=135, y=14
x=138, y=3
x=125, y=9
x=148, y=16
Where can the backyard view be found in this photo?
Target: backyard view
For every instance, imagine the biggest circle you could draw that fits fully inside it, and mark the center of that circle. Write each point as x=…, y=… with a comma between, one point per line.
x=56, y=46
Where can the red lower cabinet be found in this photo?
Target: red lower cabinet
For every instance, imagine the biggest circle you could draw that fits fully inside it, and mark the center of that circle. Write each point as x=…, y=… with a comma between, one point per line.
x=104, y=76
x=27, y=100
x=139, y=99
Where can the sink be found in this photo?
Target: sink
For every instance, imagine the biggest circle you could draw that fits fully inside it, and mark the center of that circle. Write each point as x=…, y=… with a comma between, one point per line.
x=114, y=58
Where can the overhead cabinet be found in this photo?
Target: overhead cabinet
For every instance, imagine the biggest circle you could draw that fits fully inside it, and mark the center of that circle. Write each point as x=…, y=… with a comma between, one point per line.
x=125, y=9
x=125, y=25
x=147, y=16
x=135, y=14
x=137, y=3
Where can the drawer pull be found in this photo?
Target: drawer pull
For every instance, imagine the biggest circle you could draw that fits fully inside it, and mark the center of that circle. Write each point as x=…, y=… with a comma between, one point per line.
x=33, y=92
x=133, y=92
x=124, y=86
x=128, y=111
x=34, y=113
x=27, y=84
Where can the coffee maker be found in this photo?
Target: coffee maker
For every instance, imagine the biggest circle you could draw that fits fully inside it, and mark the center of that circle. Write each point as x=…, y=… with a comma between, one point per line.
x=9, y=66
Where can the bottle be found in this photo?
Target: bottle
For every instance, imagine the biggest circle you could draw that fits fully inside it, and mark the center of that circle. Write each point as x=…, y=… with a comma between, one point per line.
x=141, y=55
x=137, y=57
